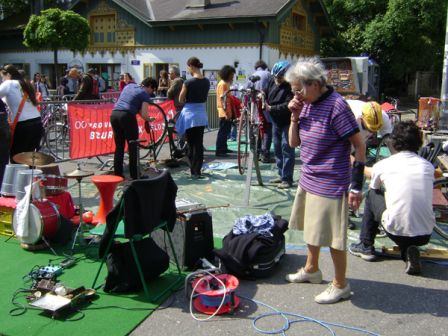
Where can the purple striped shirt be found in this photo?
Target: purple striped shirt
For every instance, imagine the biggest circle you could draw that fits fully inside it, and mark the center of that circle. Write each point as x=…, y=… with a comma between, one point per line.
x=325, y=127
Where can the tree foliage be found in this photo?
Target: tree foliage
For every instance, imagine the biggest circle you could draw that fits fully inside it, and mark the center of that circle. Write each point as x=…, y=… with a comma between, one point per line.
x=403, y=36
x=55, y=29
x=11, y=7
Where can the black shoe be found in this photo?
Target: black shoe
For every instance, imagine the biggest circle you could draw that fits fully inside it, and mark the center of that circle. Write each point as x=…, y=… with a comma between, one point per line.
x=351, y=225
x=365, y=252
x=230, y=151
x=413, y=264
x=221, y=154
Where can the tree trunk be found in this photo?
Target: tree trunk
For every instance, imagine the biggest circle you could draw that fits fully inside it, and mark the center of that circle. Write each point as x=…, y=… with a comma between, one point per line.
x=56, y=76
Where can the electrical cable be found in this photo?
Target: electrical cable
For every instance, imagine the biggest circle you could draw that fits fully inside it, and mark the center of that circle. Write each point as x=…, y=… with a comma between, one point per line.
x=224, y=290
x=301, y=318
x=285, y=315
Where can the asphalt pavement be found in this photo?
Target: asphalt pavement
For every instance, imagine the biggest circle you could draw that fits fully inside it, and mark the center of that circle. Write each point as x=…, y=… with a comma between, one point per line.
x=385, y=300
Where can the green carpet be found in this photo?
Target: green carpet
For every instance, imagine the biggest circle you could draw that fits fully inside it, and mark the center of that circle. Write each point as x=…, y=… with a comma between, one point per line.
x=100, y=318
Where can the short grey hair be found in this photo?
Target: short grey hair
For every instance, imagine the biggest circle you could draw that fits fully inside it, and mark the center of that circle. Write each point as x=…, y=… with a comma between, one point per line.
x=307, y=70
x=175, y=69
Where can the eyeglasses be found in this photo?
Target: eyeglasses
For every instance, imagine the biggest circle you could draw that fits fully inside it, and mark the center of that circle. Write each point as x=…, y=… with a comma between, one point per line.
x=300, y=92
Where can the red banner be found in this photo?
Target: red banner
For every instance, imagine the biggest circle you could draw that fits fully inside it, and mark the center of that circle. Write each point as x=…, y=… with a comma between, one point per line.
x=91, y=132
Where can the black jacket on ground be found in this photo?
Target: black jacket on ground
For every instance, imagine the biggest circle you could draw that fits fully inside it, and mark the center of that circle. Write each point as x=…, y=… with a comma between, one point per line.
x=278, y=97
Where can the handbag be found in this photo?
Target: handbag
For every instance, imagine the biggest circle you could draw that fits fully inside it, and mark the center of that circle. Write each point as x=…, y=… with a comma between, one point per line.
x=16, y=119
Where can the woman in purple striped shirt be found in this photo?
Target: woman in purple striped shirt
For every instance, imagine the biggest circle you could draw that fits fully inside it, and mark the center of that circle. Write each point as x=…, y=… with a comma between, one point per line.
x=325, y=128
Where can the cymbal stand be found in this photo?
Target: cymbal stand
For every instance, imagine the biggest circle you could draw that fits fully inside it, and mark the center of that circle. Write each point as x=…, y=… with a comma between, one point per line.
x=79, y=235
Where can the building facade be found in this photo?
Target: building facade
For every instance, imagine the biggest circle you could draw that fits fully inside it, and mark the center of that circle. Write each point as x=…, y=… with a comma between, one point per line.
x=144, y=37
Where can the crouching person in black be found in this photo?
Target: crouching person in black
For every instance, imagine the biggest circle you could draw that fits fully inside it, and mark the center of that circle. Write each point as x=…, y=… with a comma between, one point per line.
x=400, y=198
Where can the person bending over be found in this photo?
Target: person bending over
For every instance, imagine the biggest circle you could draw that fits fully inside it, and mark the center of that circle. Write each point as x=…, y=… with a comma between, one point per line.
x=400, y=198
x=133, y=100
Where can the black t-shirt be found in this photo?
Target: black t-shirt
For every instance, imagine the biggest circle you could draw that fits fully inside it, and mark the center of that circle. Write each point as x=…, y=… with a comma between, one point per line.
x=197, y=90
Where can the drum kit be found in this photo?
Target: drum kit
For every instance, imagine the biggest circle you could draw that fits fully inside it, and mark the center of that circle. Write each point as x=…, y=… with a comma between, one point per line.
x=43, y=215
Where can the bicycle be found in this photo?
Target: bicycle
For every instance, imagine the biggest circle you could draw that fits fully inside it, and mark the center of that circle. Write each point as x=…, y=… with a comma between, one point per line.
x=440, y=207
x=248, y=127
x=56, y=131
x=160, y=131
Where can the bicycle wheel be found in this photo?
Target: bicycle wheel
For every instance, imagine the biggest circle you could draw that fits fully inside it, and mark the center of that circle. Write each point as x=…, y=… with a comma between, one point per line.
x=384, y=148
x=155, y=132
x=440, y=207
x=57, y=140
x=243, y=142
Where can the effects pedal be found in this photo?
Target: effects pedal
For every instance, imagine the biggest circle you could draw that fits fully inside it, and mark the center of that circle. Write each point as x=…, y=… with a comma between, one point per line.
x=50, y=271
x=67, y=263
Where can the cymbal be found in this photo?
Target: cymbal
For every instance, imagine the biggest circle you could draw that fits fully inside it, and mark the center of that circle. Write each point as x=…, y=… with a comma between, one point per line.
x=78, y=173
x=33, y=158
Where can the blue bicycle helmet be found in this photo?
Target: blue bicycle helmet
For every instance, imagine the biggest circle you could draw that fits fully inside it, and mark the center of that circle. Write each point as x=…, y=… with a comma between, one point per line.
x=280, y=68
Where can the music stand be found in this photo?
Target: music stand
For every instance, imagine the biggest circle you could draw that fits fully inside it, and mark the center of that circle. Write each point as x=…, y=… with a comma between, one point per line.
x=79, y=174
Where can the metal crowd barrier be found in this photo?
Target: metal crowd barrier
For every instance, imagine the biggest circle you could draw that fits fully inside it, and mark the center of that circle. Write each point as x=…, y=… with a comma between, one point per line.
x=56, y=138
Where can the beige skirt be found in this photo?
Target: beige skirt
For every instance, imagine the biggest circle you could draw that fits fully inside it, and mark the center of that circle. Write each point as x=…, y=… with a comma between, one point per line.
x=323, y=220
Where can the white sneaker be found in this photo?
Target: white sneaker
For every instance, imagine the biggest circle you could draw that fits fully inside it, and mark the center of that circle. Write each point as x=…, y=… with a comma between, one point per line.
x=302, y=276
x=333, y=294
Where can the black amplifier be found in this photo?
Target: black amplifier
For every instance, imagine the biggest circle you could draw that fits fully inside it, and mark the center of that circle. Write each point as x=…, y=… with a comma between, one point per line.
x=192, y=237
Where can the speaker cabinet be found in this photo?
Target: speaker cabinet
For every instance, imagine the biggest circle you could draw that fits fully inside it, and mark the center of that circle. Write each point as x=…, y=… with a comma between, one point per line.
x=192, y=237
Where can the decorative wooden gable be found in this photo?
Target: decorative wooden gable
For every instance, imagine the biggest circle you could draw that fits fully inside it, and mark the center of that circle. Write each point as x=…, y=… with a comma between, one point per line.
x=296, y=35
x=108, y=31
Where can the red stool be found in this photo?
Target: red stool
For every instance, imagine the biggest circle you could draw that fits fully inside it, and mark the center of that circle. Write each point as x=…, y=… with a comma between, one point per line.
x=106, y=185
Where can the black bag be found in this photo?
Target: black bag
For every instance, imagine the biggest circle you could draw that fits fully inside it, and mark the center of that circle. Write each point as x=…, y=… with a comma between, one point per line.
x=253, y=255
x=123, y=276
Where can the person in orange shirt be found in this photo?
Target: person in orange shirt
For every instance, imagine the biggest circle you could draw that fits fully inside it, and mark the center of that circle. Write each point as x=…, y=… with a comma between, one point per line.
x=224, y=112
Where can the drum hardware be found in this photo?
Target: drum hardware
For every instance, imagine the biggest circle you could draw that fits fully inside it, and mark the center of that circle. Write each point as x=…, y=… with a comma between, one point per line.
x=79, y=174
x=33, y=159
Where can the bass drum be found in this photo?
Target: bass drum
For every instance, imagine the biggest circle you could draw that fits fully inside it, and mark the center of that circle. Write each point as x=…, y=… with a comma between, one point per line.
x=43, y=221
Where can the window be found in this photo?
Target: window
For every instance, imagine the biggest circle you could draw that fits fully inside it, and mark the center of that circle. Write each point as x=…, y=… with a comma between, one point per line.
x=299, y=21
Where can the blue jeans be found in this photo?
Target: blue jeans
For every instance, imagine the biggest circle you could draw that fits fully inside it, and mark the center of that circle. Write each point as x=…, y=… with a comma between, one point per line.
x=284, y=154
x=266, y=141
x=221, y=139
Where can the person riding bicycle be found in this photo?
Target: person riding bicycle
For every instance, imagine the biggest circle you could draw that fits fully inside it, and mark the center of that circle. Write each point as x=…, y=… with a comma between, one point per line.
x=278, y=96
x=400, y=198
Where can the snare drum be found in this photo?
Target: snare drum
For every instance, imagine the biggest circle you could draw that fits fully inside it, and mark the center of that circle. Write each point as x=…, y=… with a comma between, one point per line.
x=43, y=221
x=54, y=184
x=24, y=179
x=10, y=179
